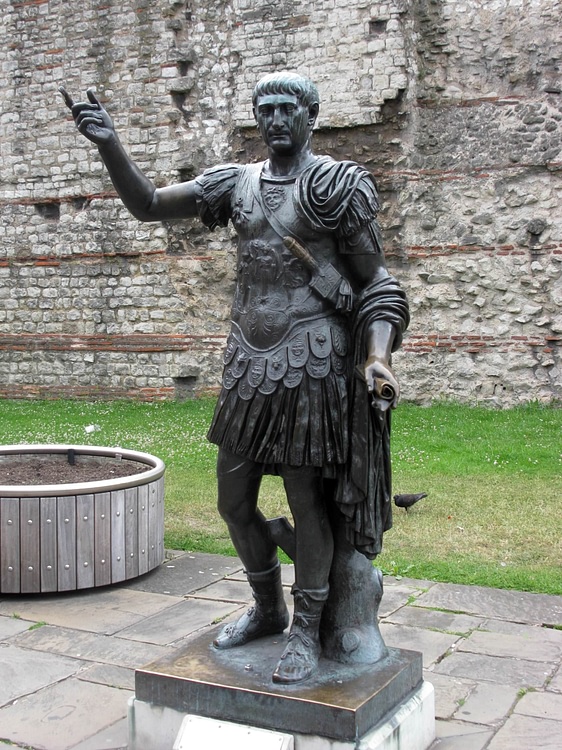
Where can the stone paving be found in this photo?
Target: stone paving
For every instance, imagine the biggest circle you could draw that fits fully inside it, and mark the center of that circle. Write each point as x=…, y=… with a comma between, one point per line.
x=67, y=661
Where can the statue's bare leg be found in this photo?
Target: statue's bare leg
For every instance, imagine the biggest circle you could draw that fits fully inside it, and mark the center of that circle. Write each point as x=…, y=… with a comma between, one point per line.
x=238, y=483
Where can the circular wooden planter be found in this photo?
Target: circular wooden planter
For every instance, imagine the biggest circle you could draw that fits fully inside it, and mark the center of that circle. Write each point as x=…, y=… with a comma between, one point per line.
x=62, y=537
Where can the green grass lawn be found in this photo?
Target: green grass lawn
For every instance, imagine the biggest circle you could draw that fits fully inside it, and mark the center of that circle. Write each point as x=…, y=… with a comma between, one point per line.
x=493, y=513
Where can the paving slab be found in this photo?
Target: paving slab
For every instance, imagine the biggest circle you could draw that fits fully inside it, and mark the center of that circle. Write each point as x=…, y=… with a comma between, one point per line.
x=488, y=704
x=501, y=670
x=63, y=714
x=226, y=590
x=234, y=591
x=527, y=629
x=417, y=583
x=541, y=705
x=433, y=645
x=114, y=737
x=185, y=574
x=179, y=621
x=104, y=610
x=516, y=606
x=395, y=597
x=528, y=732
x=450, y=692
x=514, y=646
x=556, y=682
x=452, y=735
x=448, y=622
x=532, y=633
x=287, y=574
x=25, y=671
x=89, y=647
x=10, y=626
x=109, y=674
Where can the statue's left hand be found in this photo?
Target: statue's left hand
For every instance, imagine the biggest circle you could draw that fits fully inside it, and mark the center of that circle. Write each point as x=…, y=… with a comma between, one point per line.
x=381, y=383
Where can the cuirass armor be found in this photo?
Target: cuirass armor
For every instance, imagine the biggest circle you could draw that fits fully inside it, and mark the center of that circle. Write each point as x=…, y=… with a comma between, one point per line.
x=281, y=327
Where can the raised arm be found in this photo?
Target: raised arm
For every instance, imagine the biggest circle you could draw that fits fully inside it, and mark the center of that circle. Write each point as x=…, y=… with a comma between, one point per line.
x=139, y=194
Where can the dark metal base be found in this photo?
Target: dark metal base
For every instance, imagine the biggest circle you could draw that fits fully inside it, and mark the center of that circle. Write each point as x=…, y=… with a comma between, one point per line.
x=341, y=702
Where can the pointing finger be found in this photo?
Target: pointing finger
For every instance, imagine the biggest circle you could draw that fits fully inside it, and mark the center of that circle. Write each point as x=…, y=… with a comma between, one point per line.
x=66, y=96
x=92, y=97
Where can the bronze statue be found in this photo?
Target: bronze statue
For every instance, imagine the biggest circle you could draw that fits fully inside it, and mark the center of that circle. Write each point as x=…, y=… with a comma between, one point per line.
x=307, y=387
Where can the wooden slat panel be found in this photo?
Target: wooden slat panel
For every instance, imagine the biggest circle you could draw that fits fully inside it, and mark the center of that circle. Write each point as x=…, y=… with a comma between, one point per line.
x=30, y=547
x=49, y=561
x=102, y=539
x=131, y=533
x=160, y=509
x=10, y=544
x=143, y=528
x=85, y=572
x=118, y=536
x=66, y=532
x=153, y=527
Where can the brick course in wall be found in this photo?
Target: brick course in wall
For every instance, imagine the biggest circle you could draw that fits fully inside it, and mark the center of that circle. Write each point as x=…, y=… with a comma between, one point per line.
x=454, y=107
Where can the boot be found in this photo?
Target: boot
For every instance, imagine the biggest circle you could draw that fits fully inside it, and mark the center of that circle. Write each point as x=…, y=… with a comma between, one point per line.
x=300, y=658
x=268, y=616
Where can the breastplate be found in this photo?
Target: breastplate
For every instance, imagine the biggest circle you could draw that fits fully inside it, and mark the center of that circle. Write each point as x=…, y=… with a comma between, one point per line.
x=272, y=291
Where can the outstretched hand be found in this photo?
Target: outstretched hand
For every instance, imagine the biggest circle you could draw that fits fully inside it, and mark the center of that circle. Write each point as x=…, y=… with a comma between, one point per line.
x=90, y=117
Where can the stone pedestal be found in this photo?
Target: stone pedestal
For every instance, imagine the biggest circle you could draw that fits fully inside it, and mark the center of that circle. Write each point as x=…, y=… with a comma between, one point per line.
x=343, y=707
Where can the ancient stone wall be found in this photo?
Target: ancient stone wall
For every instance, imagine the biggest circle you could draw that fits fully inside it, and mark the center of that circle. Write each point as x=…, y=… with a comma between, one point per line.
x=454, y=106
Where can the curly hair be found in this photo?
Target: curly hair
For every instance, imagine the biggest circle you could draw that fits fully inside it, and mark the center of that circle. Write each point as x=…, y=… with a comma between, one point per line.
x=285, y=82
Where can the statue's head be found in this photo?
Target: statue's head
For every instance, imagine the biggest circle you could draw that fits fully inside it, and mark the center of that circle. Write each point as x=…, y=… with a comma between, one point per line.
x=285, y=106
x=285, y=82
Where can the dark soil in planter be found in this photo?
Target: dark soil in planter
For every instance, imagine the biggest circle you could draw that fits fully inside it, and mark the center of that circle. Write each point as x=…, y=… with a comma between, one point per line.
x=59, y=468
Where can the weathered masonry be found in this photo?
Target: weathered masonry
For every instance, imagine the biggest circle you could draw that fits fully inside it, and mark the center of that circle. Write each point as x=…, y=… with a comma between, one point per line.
x=454, y=106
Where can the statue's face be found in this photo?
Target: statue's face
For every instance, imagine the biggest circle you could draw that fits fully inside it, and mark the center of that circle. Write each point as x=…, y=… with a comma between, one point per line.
x=284, y=123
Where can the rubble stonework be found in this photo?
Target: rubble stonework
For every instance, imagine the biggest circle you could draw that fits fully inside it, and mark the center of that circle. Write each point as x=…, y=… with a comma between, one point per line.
x=454, y=107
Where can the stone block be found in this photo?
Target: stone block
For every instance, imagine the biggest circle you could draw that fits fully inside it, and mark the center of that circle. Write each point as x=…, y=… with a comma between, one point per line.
x=515, y=672
x=179, y=621
x=410, y=725
x=461, y=736
x=517, y=606
x=541, y=705
x=432, y=645
x=114, y=737
x=25, y=671
x=487, y=704
x=109, y=674
x=556, y=683
x=10, y=626
x=63, y=715
x=225, y=589
x=450, y=692
x=448, y=622
x=103, y=610
x=235, y=685
x=186, y=574
x=512, y=646
x=90, y=647
x=527, y=732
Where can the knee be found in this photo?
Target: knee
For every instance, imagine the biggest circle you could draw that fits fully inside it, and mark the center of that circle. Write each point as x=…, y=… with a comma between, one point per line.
x=238, y=488
x=234, y=511
x=227, y=510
